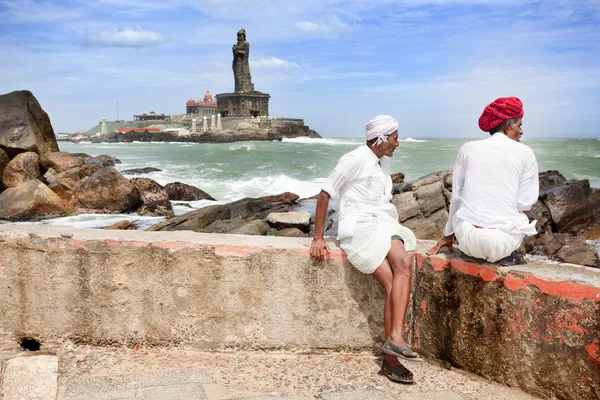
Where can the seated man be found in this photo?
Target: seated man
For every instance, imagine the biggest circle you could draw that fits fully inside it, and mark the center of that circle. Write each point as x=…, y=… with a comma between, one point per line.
x=370, y=234
x=495, y=180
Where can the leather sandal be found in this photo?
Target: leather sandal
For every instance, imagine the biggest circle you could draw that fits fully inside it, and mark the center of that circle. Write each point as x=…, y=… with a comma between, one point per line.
x=399, y=373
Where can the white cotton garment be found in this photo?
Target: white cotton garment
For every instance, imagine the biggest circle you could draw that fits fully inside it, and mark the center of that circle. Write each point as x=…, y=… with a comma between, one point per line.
x=368, y=219
x=488, y=244
x=495, y=180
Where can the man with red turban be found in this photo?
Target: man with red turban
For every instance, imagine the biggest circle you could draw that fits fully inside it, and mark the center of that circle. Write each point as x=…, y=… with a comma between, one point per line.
x=495, y=180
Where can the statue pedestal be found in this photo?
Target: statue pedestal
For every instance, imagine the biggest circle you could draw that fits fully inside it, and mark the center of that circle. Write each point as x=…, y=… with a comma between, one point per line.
x=243, y=104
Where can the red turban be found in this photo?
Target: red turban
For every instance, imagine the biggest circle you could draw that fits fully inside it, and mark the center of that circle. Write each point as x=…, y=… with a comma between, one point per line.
x=499, y=110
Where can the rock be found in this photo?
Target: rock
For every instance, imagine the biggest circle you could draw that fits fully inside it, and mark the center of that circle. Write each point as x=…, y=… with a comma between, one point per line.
x=72, y=176
x=226, y=218
x=580, y=254
x=4, y=160
x=49, y=176
x=28, y=200
x=106, y=189
x=289, y=232
x=150, y=190
x=402, y=187
x=426, y=180
x=107, y=161
x=567, y=205
x=407, y=206
x=299, y=220
x=65, y=192
x=550, y=179
x=247, y=126
x=24, y=125
x=430, y=197
x=158, y=208
x=398, y=177
x=181, y=192
x=428, y=228
x=22, y=168
x=541, y=214
x=139, y=171
x=285, y=198
x=256, y=227
x=123, y=225
x=61, y=161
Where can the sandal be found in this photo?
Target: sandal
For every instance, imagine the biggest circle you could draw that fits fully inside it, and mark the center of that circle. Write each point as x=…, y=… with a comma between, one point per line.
x=399, y=373
x=402, y=351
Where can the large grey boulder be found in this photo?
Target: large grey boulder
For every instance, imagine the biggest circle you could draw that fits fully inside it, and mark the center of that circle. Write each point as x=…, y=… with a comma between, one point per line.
x=568, y=205
x=178, y=191
x=295, y=219
x=22, y=168
x=24, y=125
x=107, y=190
x=150, y=189
x=62, y=161
x=29, y=199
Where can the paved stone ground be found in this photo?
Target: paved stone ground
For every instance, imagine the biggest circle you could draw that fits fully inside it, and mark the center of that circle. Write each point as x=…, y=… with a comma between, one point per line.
x=91, y=373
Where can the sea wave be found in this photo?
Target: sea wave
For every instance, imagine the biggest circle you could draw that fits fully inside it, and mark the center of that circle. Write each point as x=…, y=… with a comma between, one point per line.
x=243, y=146
x=328, y=141
x=100, y=221
x=411, y=140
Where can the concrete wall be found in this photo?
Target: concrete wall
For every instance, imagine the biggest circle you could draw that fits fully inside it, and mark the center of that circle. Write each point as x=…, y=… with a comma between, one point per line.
x=535, y=326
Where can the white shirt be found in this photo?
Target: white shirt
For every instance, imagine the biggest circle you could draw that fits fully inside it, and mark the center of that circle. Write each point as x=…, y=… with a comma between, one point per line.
x=365, y=186
x=494, y=181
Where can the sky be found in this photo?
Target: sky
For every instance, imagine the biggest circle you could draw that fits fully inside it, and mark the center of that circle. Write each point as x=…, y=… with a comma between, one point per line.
x=432, y=64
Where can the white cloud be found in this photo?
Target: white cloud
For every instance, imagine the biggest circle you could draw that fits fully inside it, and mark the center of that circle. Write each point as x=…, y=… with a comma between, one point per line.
x=329, y=29
x=126, y=37
x=273, y=63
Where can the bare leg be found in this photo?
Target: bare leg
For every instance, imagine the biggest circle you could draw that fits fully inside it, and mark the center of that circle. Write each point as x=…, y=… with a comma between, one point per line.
x=385, y=276
x=402, y=273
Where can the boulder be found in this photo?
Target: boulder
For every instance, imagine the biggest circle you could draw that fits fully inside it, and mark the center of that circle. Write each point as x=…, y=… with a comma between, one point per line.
x=227, y=218
x=22, y=168
x=289, y=232
x=550, y=179
x=72, y=176
x=62, y=161
x=150, y=190
x=4, y=160
x=407, y=206
x=106, y=189
x=24, y=125
x=49, y=176
x=139, y=171
x=430, y=197
x=256, y=227
x=107, y=161
x=28, y=200
x=541, y=214
x=428, y=228
x=297, y=219
x=181, y=192
x=247, y=126
x=65, y=192
x=123, y=226
x=158, y=208
x=567, y=205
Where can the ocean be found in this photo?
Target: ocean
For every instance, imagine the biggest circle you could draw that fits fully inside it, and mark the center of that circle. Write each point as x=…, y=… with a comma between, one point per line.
x=232, y=171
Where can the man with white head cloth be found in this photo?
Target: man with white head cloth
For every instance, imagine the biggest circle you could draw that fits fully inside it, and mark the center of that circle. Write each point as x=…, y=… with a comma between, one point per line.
x=370, y=234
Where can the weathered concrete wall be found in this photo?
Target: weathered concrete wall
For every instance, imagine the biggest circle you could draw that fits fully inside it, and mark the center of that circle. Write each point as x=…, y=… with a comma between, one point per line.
x=535, y=326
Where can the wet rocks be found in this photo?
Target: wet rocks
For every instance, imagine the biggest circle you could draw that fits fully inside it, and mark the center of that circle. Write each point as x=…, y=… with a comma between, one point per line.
x=295, y=219
x=178, y=191
x=140, y=171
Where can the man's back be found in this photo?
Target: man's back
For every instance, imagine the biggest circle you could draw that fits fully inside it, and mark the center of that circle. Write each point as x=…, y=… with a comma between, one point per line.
x=496, y=179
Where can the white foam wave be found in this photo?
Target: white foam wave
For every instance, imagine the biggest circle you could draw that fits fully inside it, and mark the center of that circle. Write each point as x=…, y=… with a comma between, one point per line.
x=100, y=221
x=411, y=140
x=242, y=146
x=328, y=141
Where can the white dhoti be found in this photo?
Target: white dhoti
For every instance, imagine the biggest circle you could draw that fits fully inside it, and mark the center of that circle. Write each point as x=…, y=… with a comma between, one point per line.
x=371, y=242
x=488, y=244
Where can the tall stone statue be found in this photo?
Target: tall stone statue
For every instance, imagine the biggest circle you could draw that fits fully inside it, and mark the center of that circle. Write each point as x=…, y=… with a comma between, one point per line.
x=241, y=68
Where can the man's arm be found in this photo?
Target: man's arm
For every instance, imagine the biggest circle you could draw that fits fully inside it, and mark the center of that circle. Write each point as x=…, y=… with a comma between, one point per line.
x=529, y=186
x=319, y=249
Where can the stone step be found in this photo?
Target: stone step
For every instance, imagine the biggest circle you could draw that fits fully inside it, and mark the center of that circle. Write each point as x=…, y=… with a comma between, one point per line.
x=30, y=378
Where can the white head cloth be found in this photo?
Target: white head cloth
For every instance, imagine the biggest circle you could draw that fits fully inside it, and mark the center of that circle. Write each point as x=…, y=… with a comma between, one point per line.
x=380, y=127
